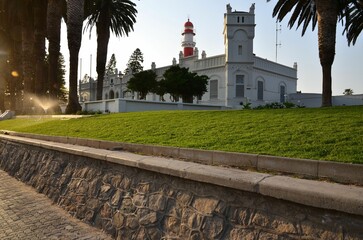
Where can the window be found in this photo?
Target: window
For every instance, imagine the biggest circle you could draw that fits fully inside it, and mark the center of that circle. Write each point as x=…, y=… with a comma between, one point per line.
x=282, y=93
x=213, y=89
x=240, y=86
x=243, y=19
x=238, y=19
x=239, y=49
x=259, y=90
x=112, y=94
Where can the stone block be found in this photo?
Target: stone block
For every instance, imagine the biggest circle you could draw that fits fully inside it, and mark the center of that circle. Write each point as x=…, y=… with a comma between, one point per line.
x=234, y=159
x=232, y=178
x=165, y=166
x=124, y=158
x=72, y=140
x=108, y=145
x=82, y=142
x=341, y=172
x=95, y=153
x=202, y=156
x=93, y=143
x=288, y=165
x=59, y=139
x=139, y=148
x=318, y=194
x=186, y=153
x=165, y=151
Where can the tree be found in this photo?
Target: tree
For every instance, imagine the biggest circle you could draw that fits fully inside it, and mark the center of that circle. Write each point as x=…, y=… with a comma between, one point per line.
x=179, y=82
x=143, y=82
x=117, y=16
x=354, y=23
x=59, y=89
x=54, y=17
x=134, y=65
x=75, y=10
x=324, y=13
x=111, y=66
x=348, y=91
x=161, y=89
x=40, y=29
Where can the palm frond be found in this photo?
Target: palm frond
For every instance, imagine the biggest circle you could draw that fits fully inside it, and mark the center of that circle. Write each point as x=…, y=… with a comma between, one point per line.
x=121, y=13
x=354, y=20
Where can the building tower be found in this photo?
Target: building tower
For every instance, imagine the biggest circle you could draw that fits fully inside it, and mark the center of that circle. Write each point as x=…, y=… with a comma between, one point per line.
x=239, y=32
x=188, y=43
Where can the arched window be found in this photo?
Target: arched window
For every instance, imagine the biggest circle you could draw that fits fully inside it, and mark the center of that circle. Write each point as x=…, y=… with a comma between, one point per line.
x=213, y=89
x=240, y=86
x=282, y=93
x=112, y=94
x=260, y=90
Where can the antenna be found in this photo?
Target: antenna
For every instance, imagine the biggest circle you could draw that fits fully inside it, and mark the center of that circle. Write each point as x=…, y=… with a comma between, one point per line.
x=278, y=29
x=90, y=67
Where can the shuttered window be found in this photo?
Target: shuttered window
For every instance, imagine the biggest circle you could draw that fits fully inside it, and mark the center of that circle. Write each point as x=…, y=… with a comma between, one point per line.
x=240, y=86
x=213, y=85
x=259, y=90
x=282, y=93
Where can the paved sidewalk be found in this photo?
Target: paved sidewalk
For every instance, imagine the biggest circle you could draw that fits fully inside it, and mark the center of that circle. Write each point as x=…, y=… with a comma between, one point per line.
x=26, y=214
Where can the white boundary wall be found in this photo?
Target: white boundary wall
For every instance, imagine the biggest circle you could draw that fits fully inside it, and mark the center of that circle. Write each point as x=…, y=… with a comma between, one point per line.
x=127, y=105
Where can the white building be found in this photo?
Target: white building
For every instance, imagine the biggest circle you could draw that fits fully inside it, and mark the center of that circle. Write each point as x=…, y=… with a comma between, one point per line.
x=237, y=76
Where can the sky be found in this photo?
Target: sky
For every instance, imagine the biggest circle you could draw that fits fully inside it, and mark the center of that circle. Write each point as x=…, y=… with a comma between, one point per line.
x=159, y=24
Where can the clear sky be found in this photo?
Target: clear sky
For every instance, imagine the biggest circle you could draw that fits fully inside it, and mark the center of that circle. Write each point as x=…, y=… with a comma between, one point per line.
x=159, y=25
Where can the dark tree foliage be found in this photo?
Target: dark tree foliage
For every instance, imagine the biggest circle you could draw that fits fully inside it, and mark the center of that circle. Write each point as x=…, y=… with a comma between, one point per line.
x=179, y=82
x=143, y=82
x=134, y=64
x=354, y=20
x=111, y=66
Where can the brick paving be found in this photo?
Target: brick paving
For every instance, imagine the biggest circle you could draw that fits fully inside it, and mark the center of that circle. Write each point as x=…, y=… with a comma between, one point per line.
x=26, y=214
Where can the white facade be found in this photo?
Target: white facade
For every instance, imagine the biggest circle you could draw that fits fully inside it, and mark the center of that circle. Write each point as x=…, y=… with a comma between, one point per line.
x=235, y=77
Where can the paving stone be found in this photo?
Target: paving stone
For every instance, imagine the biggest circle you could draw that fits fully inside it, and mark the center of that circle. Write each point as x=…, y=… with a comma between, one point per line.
x=26, y=214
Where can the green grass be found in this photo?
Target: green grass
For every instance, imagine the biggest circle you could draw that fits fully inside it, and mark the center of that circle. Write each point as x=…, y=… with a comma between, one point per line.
x=324, y=134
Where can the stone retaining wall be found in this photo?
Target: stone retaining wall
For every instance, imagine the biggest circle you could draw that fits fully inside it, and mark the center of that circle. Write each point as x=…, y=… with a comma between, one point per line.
x=133, y=203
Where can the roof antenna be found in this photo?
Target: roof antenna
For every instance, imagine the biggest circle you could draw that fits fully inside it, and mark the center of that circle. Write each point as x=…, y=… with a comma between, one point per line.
x=278, y=29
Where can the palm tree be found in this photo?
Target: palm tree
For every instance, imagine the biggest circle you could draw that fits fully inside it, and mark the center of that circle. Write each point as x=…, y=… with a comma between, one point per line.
x=10, y=53
x=54, y=17
x=354, y=23
x=40, y=28
x=117, y=16
x=325, y=13
x=75, y=12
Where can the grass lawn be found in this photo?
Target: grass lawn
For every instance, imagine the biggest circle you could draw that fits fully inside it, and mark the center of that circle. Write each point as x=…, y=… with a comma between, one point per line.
x=324, y=133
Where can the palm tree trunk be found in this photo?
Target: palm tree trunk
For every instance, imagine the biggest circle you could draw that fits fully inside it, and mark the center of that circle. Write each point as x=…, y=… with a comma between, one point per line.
x=103, y=36
x=27, y=61
x=54, y=17
x=75, y=10
x=327, y=24
x=40, y=7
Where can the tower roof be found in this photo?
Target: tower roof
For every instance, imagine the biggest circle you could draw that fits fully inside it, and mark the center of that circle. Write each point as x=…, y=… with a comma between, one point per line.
x=188, y=24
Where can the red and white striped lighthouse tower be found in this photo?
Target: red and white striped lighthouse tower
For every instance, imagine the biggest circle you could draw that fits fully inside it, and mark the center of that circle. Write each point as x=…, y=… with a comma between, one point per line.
x=188, y=44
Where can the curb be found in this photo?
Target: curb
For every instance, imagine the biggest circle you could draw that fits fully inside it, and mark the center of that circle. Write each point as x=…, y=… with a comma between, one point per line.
x=325, y=195
x=338, y=172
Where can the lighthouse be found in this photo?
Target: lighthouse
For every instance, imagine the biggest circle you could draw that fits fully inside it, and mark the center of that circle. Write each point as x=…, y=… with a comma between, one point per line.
x=188, y=44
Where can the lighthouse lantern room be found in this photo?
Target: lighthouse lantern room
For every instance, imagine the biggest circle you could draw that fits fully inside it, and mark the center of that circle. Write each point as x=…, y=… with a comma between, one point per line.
x=188, y=43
